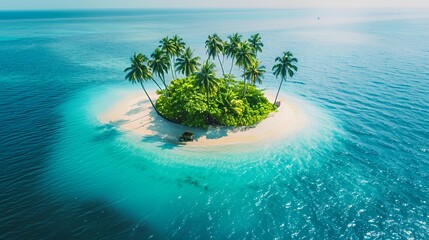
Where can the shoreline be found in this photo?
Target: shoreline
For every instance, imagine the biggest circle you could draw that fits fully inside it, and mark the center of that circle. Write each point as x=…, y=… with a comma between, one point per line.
x=134, y=114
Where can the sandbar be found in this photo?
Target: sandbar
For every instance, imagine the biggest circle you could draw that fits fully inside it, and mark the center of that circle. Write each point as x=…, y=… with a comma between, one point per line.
x=134, y=114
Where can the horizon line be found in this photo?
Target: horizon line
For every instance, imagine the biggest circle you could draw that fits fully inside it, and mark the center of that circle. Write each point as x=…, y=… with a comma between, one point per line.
x=218, y=8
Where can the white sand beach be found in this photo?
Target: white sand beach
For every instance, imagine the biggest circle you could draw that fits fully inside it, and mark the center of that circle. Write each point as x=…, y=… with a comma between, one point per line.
x=134, y=114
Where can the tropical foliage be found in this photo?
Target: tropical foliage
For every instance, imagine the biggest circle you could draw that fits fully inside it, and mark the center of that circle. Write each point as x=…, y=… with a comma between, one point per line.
x=284, y=67
x=256, y=42
x=231, y=47
x=215, y=47
x=193, y=105
x=206, y=80
x=159, y=63
x=202, y=98
x=187, y=64
x=138, y=72
x=254, y=73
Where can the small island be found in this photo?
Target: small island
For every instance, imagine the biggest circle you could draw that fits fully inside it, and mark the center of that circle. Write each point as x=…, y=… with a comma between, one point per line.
x=199, y=94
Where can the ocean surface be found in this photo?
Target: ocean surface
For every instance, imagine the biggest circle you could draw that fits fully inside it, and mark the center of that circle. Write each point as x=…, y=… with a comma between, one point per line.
x=360, y=171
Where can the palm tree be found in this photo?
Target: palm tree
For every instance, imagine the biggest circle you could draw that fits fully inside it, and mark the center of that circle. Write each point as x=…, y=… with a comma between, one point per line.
x=284, y=67
x=207, y=81
x=244, y=58
x=214, y=47
x=159, y=64
x=231, y=47
x=230, y=102
x=256, y=43
x=138, y=72
x=179, y=44
x=254, y=73
x=187, y=64
x=168, y=46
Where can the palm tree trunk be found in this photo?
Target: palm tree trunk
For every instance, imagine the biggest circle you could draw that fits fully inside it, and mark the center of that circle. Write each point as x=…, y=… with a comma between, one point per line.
x=172, y=68
x=208, y=102
x=208, y=106
x=165, y=85
x=244, y=90
x=278, y=91
x=150, y=100
x=160, y=88
x=223, y=58
x=232, y=65
x=221, y=65
x=153, y=105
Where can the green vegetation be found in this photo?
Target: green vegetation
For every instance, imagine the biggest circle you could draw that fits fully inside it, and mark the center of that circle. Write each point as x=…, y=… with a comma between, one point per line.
x=203, y=99
x=200, y=97
x=138, y=72
x=284, y=67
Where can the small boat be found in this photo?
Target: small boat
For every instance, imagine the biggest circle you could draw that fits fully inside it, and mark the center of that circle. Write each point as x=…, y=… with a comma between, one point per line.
x=187, y=137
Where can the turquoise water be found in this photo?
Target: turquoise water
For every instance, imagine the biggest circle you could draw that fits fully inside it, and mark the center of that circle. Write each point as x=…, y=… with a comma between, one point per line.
x=360, y=170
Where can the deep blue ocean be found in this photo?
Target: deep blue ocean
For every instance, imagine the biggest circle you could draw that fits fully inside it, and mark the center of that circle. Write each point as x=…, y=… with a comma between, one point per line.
x=361, y=171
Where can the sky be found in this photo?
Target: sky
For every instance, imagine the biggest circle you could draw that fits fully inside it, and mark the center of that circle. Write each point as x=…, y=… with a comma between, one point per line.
x=92, y=4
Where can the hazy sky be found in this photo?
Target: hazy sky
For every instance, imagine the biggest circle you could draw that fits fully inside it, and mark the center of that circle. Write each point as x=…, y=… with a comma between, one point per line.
x=77, y=4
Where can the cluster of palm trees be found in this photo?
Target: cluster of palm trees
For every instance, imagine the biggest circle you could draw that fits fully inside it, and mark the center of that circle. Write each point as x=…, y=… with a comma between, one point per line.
x=172, y=56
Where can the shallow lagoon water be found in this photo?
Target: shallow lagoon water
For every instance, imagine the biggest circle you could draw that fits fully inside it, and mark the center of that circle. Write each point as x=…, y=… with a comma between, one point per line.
x=359, y=172
x=162, y=183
